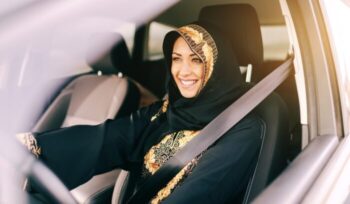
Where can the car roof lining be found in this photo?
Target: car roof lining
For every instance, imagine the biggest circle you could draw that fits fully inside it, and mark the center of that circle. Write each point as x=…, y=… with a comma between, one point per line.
x=269, y=11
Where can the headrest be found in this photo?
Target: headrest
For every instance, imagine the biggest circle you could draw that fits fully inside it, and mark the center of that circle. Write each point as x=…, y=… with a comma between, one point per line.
x=239, y=22
x=120, y=56
x=116, y=59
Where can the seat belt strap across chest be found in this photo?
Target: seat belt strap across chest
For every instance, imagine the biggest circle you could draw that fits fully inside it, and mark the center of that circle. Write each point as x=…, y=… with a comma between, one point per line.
x=212, y=132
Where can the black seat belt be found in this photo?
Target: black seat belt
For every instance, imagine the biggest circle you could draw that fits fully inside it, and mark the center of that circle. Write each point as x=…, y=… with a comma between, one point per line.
x=212, y=132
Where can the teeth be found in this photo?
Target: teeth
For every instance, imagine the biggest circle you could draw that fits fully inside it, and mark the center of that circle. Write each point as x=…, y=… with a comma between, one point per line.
x=188, y=82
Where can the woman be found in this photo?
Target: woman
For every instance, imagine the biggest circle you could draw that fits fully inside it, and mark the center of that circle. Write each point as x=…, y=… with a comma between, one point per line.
x=203, y=80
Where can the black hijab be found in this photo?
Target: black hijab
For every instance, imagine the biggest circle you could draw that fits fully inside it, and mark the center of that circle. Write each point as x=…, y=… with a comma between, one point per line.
x=223, y=83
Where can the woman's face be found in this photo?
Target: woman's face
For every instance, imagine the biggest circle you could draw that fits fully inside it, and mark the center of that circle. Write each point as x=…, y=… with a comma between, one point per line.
x=187, y=69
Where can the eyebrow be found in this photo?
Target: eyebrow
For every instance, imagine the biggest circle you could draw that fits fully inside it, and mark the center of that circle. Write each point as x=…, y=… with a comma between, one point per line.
x=193, y=54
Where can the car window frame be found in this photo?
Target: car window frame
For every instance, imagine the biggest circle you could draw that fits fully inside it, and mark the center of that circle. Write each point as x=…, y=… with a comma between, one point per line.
x=323, y=130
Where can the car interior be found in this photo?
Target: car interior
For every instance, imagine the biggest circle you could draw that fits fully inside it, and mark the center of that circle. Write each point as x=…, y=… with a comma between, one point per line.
x=125, y=79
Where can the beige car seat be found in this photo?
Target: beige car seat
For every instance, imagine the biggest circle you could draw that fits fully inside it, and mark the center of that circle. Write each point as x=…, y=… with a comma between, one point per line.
x=91, y=99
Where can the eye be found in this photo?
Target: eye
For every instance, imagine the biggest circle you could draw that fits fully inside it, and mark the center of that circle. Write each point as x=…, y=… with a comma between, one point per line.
x=175, y=59
x=197, y=60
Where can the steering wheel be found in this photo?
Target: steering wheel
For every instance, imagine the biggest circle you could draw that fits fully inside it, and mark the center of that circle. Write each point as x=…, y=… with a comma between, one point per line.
x=27, y=164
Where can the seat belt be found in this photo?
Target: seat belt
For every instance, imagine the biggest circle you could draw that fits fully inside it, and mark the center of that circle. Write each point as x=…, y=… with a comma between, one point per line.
x=212, y=132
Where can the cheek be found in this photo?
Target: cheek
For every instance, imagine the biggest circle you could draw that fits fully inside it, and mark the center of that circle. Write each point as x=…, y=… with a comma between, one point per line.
x=173, y=70
x=176, y=69
x=199, y=70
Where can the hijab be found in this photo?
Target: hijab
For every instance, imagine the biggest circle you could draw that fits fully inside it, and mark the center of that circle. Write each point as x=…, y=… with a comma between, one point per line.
x=222, y=84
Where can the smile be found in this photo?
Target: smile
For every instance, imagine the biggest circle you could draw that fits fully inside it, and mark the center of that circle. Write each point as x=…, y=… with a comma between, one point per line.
x=188, y=83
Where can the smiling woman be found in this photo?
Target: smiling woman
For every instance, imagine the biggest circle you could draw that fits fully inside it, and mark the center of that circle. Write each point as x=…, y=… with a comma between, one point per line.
x=187, y=69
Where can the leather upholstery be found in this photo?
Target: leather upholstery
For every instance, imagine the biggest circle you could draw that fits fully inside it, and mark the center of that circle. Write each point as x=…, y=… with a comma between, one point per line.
x=240, y=24
x=120, y=57
x=274, y=150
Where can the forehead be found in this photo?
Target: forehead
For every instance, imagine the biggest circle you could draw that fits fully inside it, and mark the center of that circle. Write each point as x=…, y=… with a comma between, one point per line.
x=181, y=47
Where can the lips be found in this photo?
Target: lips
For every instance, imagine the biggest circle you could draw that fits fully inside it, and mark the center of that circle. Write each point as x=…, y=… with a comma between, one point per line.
x=188, y=82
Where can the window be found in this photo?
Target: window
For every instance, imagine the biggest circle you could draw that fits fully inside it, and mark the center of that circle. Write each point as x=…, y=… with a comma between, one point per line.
x=156, y=35
x=337, y=15
x=275, y=41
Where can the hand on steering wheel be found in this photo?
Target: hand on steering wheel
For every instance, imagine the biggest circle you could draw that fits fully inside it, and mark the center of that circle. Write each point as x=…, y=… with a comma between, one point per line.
x=49, y=183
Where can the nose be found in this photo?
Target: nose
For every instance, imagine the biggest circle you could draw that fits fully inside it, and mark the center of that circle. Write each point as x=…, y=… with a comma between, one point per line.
x=185, y=68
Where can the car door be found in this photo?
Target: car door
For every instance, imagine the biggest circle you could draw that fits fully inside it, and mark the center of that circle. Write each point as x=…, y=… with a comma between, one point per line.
x=320, y=173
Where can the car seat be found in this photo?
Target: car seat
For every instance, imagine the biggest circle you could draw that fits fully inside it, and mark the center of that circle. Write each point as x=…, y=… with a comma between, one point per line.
x=246, y=39
x=240, y=24
x=91, y=99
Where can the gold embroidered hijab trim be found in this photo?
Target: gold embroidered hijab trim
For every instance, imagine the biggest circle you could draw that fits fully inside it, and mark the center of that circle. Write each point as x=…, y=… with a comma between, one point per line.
x=162, y=110
x=162, y=152
x=174, y=182
x=166, y=148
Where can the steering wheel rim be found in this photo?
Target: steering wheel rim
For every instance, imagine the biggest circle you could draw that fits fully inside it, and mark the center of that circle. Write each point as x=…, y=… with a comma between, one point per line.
x=20, y=158
x=50, y=183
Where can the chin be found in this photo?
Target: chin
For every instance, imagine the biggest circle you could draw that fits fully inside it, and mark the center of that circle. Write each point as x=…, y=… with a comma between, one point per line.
x=187, y=94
